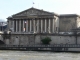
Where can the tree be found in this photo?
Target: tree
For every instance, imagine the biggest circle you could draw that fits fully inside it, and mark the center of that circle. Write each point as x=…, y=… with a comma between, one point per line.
x=46, y=40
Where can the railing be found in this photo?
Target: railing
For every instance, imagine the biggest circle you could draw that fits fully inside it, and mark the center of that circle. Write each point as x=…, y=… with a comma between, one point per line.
x=43, y=46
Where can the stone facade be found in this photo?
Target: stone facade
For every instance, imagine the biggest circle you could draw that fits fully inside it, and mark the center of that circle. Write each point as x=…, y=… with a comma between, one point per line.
x=31, y=39
x=38, y=21
x=34, y=21
x=68, y=22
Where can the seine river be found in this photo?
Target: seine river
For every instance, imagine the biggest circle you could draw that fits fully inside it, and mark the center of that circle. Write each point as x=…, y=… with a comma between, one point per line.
x=35, y=55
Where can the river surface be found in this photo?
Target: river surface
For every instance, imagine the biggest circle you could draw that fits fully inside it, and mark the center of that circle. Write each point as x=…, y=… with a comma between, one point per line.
x=35, y=55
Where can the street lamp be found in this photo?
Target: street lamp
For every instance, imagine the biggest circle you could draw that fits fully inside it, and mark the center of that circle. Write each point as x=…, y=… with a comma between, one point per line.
x=75, y=33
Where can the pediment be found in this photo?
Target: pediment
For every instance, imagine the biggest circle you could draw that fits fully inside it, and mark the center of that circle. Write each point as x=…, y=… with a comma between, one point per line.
x=32, y=12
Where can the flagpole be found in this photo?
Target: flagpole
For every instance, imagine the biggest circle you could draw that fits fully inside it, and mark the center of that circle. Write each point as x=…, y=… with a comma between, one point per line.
x=38, y=5
x=32, y=4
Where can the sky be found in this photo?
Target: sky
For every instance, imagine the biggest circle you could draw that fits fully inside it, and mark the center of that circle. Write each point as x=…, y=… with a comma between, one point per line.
x=10, y=7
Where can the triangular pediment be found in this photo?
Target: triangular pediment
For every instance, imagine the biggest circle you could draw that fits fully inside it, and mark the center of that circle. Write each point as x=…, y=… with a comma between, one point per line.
x=33, y=11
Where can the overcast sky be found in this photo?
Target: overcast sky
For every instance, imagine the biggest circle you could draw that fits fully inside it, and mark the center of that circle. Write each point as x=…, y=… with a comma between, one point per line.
x=10, y=7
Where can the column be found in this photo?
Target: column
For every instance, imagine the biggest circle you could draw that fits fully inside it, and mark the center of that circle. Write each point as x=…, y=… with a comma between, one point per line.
x=49, y=26
x=41, y=26
x=13, y=26
x=45, y=25
x=30, y=25
x=27, y=26
x=38, y=26
x=23, y=26
x=16, y=25
x=19, y=25
x=57, y=25
x=53, y=25
x=34, y=26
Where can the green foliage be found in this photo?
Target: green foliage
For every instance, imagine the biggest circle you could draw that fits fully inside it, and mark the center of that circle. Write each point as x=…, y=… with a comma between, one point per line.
x=46, y=40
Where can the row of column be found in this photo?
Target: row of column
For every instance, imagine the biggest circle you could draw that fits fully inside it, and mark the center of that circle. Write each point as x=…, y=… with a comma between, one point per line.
x=36, y=26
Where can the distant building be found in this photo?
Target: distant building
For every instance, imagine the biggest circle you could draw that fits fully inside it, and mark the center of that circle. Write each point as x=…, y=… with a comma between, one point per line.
x=3, y=26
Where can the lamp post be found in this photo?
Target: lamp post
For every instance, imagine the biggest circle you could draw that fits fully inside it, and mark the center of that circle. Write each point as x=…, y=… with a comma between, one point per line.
x=2, y=26
x=75, y=33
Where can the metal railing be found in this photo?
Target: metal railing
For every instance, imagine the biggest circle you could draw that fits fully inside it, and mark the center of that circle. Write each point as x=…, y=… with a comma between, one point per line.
x=43, y=46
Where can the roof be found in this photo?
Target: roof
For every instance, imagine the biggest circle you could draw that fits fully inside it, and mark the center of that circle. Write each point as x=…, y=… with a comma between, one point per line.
x=39, y=11
x=69, y=15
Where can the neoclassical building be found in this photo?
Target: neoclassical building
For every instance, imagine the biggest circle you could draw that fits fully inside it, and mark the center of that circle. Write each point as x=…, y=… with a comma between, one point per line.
x=31, y=25
x=34, y=21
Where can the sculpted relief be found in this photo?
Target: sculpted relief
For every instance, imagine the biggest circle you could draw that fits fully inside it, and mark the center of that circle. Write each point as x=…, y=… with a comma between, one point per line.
x=32, y=12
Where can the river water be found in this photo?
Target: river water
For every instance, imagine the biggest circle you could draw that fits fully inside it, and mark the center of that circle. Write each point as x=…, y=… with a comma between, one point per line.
x=35, y=55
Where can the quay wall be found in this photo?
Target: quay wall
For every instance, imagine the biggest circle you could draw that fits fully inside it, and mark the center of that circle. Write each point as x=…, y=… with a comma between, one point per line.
x=27, y=39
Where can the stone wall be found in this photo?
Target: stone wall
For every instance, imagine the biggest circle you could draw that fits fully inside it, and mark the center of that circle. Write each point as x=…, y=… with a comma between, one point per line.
x=28, y=39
